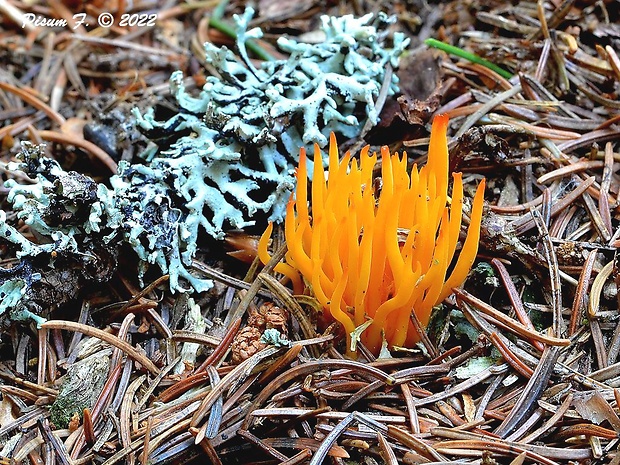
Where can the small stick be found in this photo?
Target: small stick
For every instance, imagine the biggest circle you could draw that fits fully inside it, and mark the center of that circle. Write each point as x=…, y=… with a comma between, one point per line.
x=70, y=139
x=35, y=102
x=89, y=431
x=511, y=358
x=515, y=299
x=131, y=351
x=144, y=458
x=580, y=301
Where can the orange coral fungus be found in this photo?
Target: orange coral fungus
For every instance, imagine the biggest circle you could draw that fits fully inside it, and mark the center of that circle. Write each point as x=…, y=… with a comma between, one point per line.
x=378, y=258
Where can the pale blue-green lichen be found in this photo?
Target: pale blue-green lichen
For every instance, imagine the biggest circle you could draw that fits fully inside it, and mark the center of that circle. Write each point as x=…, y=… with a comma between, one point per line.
x=236, y=144
x=272, y=336
x=58, y=209
x=227, y=155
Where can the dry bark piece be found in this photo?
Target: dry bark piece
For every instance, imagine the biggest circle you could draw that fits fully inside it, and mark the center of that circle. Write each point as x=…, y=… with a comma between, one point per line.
x=81, y=388
x=420, y=77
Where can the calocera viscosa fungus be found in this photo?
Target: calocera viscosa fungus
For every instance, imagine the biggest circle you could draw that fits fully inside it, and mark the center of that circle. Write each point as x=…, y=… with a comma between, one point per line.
x=379, y=256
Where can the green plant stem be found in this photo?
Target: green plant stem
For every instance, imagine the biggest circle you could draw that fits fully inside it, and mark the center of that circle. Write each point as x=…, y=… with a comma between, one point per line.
x=218, y=11
x=459, y=52
x=216, y=22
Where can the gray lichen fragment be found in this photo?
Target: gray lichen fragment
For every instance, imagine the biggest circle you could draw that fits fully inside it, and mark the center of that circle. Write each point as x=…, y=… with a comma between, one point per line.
x=273, y=337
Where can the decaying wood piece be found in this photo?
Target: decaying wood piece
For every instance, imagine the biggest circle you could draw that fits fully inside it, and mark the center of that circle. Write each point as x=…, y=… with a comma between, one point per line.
x=81, y=386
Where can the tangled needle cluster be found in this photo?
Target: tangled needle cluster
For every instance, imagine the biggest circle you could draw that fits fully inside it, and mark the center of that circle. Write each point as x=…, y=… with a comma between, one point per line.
x=378, y=257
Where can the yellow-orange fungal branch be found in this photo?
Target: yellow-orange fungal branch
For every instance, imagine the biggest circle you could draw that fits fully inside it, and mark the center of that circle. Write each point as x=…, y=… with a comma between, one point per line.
x=380, y=256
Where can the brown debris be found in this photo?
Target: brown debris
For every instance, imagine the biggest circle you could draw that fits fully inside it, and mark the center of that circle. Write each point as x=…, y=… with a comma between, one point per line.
x=248, y=341
x=419, y=77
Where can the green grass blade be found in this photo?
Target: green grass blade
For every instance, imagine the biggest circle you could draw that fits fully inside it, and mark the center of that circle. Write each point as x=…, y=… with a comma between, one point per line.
x=459, y=52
